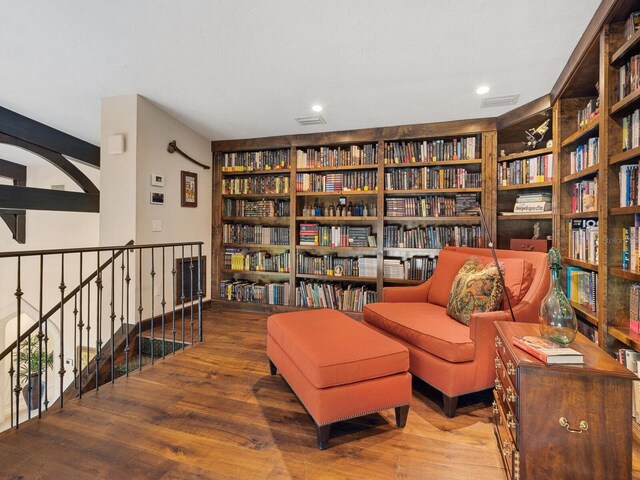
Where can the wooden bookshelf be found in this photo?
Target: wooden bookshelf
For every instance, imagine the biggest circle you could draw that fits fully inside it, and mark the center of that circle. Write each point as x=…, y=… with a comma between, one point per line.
x=584, y=173
x=452, y=220
x=592, y=214
x=334, y=219
x=265, y=246
x=620, y=55
x=622, y=273
x=526, y=154
x=522, y=186
x=266, y=220
x=585, y=313
x=582, y=132
x=579, y=263
x=525, y=216
x=255, y=272
x=343, y=193
x=627, y=103
x=273, y=171
x=432, y=190
x=624, y=210
x=403, y=281
x=336, y=169
x=631, y=155
x=255, y=195
x=337, y=278
x=447, y=163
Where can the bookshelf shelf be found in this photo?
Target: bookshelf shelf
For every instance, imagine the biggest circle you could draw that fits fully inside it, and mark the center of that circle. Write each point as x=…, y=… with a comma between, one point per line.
x=627, y=47
x=579, y=263
x=626, y=336
x=421, y=251
x=432, y=190
x=255, y=272
x=526, y=216
x=529, y=154
x=335, y=219
x=585, y=313
x=452, y=220
x=580, y=215
x=317, y=248
x=622, y=273
x=628, y=156
x=582, y=132
x=442, y=163
x=343, y=193
x=334, y=169
x=255, y=195
x=335, y=278
x=625, y=210
x=256, y=172
x=586, y=172
x=266, y=220
x=524, y=186
x=626, y=103
x=403, y=281
x=264, y=246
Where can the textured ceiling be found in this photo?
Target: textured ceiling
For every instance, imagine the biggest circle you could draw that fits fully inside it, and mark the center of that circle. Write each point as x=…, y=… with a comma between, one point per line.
x=239, y=68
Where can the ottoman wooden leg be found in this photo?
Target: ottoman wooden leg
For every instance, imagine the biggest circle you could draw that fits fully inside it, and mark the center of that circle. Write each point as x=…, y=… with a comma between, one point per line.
x=272, y=368
x=449, y=405
x=401, y=415
x=323, y=435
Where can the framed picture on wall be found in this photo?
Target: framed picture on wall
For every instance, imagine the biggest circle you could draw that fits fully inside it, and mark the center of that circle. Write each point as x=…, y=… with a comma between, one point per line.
x=189, y=189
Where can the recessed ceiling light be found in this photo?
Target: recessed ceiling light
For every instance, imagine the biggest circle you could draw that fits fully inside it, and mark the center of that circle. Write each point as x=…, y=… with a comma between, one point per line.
x=317, y=108
x=482, y=90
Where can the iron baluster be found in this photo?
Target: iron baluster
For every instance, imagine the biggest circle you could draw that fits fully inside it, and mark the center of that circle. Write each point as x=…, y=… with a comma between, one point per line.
x=40, y=334
x=28, y=383
x=163, y=303
x=191, y=292
x=127, y=279
x=62, y=371
x=89, y=332
x=75, y=340
x=122, y=296
x=11, y=373
x=173, y=300
x=182, y=297
x=199, y=292
x=80, y=327
x=17, y=389
x=140, y=311
x=112, y=317
x=153, y=291
x=98, y=320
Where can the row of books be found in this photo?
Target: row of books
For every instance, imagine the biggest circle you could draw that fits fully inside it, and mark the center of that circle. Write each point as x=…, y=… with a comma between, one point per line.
x=631, y=131
x=432, y=236
x=584, y=240
x=261, y=160
x=335, y=236
x=358, y=209
x=242, y=260
x=582, y=287
x=631, y=246
x=631, y=25
x=584, y=196
x=465, y=148
x=630, y=358
x=337, y=182
x=255, y=234
x=333, y=295
x=429, y=177
x=628, y=180
x=585, y=155
x=429, y=205
x=529, y=170
x=332, y=264
x=629, y=77
x=255, y=292
x=256, y=208
x=589, y=112
x=415, y=268
x=264, y=184
x=337, y=156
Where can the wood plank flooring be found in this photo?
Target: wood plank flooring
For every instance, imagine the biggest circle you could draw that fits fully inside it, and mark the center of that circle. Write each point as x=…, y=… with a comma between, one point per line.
x=214, y=412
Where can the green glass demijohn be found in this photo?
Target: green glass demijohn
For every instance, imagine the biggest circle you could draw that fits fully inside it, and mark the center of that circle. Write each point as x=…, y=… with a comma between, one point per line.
x=558, y=320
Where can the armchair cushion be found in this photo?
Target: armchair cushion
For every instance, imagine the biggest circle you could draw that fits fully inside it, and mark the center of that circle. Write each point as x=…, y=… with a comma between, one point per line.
x=425, y=326
x=476, y=288
x=518, y=275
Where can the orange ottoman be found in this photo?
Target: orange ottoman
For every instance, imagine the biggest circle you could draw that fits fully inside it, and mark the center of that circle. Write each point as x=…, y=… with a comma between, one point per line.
x=338, y=368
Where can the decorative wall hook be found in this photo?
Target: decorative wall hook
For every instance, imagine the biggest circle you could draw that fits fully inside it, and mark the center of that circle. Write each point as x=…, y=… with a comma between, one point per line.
x=173, y=147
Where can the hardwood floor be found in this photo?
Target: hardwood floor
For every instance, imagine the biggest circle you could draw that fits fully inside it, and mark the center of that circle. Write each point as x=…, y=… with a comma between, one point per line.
x=213, y=411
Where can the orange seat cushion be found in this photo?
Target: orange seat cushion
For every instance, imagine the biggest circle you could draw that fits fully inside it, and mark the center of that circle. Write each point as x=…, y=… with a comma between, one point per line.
x=424, y=325
x=518, y=275
x=331, y=349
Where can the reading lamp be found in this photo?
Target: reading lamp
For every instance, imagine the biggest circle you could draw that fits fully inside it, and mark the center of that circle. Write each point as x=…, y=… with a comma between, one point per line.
x=478, y=210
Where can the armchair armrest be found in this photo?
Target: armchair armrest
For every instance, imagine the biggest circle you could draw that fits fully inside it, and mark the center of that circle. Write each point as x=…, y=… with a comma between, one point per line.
x=416, y=293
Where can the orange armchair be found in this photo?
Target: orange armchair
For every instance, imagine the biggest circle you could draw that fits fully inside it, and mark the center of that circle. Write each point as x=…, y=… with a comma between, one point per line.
x=455, y=358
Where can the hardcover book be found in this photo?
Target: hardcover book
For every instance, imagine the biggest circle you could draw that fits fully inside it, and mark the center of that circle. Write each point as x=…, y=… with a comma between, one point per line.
x=547, y=351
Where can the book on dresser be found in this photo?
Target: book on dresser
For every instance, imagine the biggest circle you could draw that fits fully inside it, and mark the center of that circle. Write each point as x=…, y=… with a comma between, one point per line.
x=547, y=351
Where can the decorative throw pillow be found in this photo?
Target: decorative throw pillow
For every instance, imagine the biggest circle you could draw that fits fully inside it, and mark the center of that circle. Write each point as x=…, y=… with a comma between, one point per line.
x=476, y=288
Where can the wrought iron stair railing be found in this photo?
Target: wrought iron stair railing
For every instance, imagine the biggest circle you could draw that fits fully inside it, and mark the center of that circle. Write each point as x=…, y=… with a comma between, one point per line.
x=136, y=296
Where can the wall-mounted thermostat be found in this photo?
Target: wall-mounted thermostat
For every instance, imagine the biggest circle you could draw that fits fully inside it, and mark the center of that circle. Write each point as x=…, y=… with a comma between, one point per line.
x=157, y=180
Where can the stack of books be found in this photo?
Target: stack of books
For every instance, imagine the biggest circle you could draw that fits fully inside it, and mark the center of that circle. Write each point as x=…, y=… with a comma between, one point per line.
x=532, y=203
x=394, y=268
x=368, y=267
x=465, y=201
x=547, y=351
x=309, y=233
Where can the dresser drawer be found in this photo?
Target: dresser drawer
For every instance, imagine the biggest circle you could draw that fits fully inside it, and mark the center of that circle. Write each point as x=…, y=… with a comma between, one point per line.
x=509, y=363
x=508, y=451
x=507, y=398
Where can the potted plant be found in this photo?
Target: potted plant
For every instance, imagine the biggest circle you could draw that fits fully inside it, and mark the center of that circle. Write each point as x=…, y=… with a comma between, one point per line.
x=31, y=363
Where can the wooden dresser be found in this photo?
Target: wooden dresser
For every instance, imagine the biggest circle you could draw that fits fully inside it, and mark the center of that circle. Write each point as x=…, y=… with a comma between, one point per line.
x=561, y=421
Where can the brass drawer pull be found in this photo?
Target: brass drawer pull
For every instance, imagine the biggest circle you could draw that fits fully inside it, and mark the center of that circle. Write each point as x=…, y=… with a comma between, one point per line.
x=511, y=396
x=498, y=342
x=511, y=370
x=582, y=426
x=510, y=422
x=498, y=384
x=506, y=448
x=496, y=411
x=497, y=362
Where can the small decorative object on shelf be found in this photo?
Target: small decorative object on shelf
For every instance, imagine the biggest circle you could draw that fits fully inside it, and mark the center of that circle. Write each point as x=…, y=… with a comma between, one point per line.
x=536, y=135
x=558, y=321
x=536, y=231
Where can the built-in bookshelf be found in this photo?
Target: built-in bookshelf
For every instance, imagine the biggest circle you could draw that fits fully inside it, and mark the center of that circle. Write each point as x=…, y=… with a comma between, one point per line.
x=340, y=215
x=525, y=172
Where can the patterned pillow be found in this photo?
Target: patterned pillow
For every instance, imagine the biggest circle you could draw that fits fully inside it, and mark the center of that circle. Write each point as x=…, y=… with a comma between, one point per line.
x=476, y=288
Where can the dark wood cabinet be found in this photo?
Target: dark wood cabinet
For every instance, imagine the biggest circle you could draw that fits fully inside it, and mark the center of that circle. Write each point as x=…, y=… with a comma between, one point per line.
x=561, y=421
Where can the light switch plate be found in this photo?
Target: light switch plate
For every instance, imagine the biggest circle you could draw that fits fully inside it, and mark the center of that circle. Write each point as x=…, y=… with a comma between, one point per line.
x=156, y=225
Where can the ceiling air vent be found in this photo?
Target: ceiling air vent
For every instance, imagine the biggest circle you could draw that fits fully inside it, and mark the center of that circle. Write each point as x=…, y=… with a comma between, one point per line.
x=313, y=120
x=503, y=101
